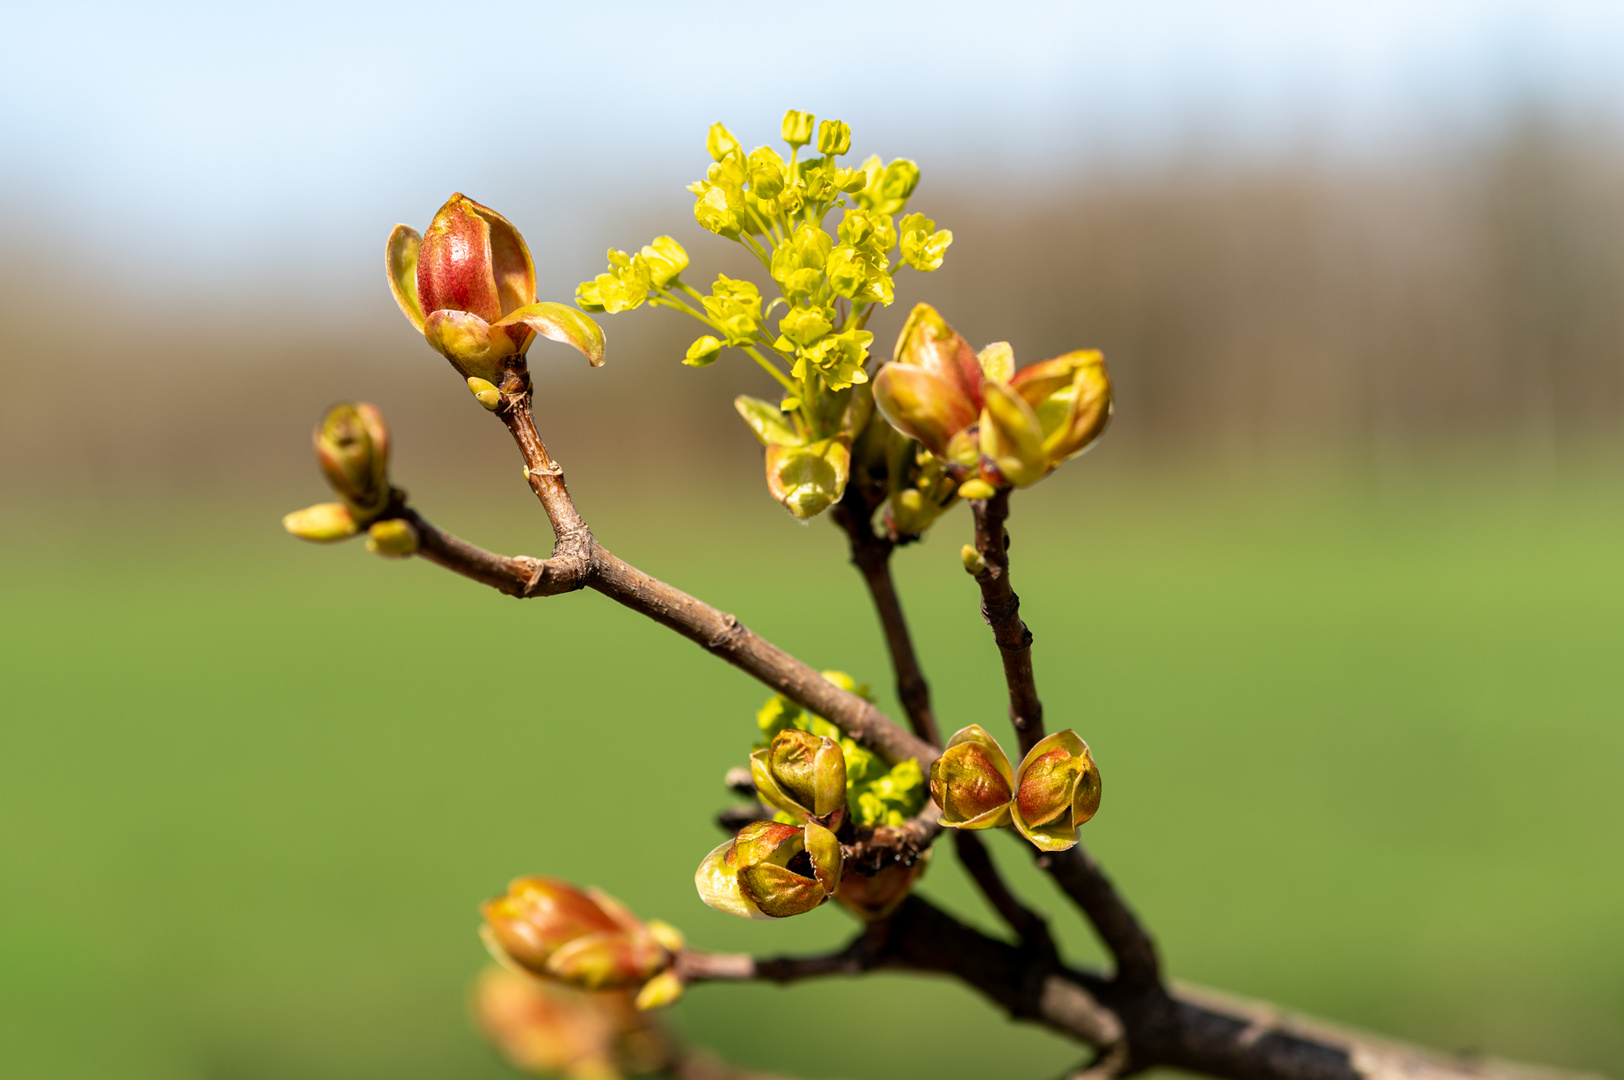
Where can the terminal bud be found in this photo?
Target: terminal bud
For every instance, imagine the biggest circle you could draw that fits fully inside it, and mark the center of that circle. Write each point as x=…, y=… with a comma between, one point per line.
x=771, y=871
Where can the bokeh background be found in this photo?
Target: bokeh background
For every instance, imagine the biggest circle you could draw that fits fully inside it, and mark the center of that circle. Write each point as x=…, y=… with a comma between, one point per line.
x=1339, y=601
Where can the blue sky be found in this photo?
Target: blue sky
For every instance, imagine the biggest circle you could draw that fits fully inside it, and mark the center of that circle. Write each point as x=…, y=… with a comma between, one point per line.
x=181, y=131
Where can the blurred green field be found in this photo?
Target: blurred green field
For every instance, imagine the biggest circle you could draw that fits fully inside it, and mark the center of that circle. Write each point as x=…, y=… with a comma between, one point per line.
x=1362, y=746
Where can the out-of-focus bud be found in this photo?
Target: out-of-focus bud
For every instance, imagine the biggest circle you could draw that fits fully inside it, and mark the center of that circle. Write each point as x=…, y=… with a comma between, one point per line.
x=719, y=143
x=323, y=523
x=587, y=939
x=974, y=564
x=807, y=480
x=1057, y=788
x=703, y=352
x=545, y=1027
x=797, y=128
x=771, y=871
x=997, y=361
x=660, y=992
x=922, y=244
x=393, y=538
x=874, y=896
x=922, y=488
x=804, y=775
x=932, y=388
x=886, y=189
x=834, y=138
x=976, y=488
x=469, y=286
x=1011, y=439
x=352, y=445
x=1071, y=397
x=972, y=782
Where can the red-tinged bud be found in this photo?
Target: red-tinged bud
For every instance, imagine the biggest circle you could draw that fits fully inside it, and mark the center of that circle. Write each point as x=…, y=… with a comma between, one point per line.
x=545, y=1027
x=352, y=445
x=771, y=871
x=1057, y=789
x=469, y=286
x=971, y=782
x=539, y=915
x=921, y=405
x=608, y=961
x=875, y=896
x=804, y=775
x=928, y=342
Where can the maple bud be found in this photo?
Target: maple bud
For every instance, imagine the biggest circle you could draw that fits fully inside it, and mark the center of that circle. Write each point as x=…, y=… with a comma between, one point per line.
x=546, y=1027
x=771, y=871
x=322, y=523
x=1057, y=788
x=971, y=782
x=804, y=775
x=352, y=445
x=585, y=938
x=469, y=286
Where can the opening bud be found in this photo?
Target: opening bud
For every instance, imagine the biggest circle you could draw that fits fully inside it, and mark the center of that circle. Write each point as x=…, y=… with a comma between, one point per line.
x=322, y=523
x=971, y=782
x=719, y=143
x=1071, y=397
x=1011, y=437
x=797, y=128
x=804, y=775
x=771, y=871
x=1057, y=788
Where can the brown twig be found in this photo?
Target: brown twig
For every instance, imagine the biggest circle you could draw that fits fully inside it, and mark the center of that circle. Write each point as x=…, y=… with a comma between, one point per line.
x=1001, y=608
x=871, y=554
x=1137, y=964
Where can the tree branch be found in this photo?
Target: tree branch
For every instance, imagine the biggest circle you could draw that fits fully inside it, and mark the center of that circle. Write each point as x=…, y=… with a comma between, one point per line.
x=871, y=554
x=1001, y=608
x=977, y=862
x=1130, y=944
x=1182, y=1027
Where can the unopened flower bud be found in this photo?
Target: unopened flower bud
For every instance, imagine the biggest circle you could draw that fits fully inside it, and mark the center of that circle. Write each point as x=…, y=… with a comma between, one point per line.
x=548, y=1028
x=469, y=286
x=834, y=138
x=976, y=488
x=931, y=389
x=587, y=939
x=802, y=774
x=323, y=523
x=703, y=352
x=766, y=172
x=485, y=392
x=807, y=480
x=393, y=538
x=971, y=782
x=719, y=143
x=352, y=445
x=797, y=128
x=974, y=564
x=771, y=871
x=1057, y=788
x=875, y=896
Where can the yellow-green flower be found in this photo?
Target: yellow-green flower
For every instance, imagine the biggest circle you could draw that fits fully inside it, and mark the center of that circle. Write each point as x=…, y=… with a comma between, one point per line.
x=922, y=244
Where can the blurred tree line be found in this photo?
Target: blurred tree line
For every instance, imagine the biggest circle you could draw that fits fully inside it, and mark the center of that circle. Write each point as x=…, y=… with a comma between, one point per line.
x=1459, y=291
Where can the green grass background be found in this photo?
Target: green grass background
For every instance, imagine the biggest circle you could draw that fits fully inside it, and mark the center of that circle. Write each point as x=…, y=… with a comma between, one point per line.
x=1361, y=741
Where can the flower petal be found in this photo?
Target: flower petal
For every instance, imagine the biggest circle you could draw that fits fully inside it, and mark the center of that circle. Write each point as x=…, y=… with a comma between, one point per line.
x=400, y=257
x=559, y=322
